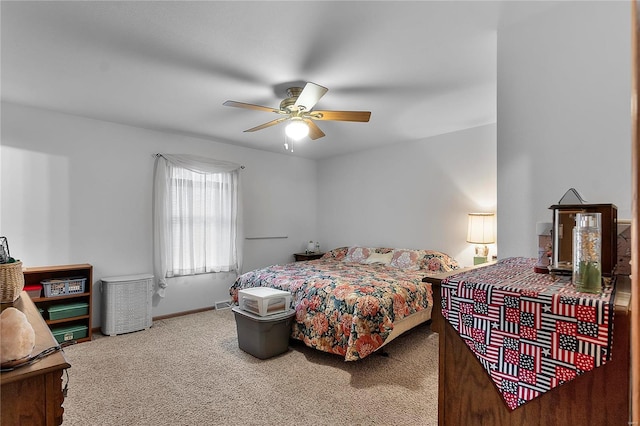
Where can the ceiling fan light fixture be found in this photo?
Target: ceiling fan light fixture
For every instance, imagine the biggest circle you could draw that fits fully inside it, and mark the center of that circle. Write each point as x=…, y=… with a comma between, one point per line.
x=296, y=129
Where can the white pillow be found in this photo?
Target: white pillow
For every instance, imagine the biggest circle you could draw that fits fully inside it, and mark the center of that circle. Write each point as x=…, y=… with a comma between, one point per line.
x=383, y=258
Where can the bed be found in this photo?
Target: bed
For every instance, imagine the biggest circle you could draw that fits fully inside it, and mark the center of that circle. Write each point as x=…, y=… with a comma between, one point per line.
x=354, y=300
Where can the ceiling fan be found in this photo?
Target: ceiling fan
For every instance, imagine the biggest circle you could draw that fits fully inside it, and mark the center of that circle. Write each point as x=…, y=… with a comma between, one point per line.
x=297, y=110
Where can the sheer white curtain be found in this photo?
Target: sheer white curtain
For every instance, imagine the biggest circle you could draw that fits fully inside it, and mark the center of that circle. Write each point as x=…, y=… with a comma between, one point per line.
x=195, y=217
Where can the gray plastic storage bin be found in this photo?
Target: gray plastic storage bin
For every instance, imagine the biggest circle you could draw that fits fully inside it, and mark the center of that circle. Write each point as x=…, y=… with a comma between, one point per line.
x=263, y=337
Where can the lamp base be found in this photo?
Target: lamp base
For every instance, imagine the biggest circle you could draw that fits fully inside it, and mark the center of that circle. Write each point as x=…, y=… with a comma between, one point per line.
x=482, y=251
x=479, y=260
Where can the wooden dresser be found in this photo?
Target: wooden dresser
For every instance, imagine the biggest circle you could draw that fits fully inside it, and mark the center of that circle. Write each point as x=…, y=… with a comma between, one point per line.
x=32, y=395
x=467, y=396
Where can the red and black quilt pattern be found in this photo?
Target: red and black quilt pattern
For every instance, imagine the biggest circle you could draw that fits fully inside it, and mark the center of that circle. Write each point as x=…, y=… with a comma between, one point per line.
x=531, y=332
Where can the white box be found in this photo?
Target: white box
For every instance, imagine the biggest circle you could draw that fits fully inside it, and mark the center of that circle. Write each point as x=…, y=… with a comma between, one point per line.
x=264, y=301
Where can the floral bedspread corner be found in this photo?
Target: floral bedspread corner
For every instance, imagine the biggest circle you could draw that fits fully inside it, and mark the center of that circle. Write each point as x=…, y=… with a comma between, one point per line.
x=344, y=308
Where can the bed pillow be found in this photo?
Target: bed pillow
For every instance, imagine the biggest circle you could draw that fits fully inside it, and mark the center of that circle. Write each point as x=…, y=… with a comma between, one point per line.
x=435, y=261
x=381, y=258
x=357, y=254
x=336, y=254
x=382, y=250
x=407, y=259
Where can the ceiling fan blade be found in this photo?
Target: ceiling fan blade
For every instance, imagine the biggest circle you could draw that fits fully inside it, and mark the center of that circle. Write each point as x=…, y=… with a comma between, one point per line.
x=250, y=106
x=361, y=116
x=310, y=96
x=314, y=130
x=269, y=124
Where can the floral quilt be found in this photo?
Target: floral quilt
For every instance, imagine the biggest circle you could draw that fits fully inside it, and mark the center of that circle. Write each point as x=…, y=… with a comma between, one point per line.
x=346, y=306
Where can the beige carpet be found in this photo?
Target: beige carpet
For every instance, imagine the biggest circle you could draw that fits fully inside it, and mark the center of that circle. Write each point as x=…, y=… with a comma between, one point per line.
x=189, y=371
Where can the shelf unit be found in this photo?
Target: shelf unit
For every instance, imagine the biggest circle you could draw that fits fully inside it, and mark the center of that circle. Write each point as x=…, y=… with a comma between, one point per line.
x=35, y=275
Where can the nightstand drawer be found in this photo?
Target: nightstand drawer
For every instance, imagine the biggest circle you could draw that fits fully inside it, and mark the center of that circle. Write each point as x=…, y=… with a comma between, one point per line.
x=307, y=256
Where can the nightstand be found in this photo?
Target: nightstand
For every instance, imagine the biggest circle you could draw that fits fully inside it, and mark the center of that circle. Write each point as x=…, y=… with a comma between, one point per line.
x=307, y=256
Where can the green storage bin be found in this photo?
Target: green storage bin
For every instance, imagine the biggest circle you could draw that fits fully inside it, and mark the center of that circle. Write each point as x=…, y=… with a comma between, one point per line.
x=73, y=332
x=68, y=310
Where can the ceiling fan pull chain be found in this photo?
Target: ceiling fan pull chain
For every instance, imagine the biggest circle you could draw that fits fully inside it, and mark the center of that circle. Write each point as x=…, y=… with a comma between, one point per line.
x=288, y=143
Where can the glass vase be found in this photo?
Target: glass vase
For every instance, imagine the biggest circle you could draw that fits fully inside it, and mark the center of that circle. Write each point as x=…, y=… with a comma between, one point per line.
x=587, y=248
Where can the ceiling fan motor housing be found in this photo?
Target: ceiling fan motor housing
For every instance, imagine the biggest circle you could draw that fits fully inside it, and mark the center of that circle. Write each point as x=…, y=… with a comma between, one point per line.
x=292, y=93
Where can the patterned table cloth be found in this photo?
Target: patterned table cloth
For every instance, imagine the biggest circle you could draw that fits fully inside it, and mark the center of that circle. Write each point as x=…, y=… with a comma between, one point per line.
x=531, y=332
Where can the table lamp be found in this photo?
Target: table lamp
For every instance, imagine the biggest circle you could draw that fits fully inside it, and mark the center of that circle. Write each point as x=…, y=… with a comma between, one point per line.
x=481, y=231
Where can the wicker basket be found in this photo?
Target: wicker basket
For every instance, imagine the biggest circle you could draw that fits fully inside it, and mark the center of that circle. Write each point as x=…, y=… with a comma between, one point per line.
x=11, y=281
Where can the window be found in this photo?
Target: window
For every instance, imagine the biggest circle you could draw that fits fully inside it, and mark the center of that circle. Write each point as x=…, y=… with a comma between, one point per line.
x=195, y=216
x=202, y=222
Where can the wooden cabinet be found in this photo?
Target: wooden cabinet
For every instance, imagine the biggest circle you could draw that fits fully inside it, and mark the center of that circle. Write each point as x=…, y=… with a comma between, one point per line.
x=307, y=256
x=467, y=396
x=32, y=394
x=35, y=275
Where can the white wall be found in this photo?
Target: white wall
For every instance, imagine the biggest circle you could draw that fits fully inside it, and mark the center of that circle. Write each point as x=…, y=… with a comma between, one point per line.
x=409, y=195
x=76, y=190
x=564, y=90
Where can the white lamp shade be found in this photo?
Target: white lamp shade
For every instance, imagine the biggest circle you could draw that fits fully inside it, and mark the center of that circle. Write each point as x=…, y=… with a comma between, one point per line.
x=481, y=229
x=296, y=129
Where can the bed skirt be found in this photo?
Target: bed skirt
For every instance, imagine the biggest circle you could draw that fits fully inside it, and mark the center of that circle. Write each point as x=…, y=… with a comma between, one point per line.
x=407, y=323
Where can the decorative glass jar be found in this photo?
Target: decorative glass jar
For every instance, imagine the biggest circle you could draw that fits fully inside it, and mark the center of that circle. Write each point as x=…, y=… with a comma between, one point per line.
x=587, y=249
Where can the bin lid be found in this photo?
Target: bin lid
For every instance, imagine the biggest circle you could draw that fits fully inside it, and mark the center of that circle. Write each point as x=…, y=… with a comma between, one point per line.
x=125, y=278
x=264, y=292
x=69, y=329
x=30, y=287
x=56, y=308
x=268, y=318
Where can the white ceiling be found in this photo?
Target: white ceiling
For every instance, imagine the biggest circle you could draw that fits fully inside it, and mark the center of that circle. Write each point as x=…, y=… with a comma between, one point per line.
x=421, y=68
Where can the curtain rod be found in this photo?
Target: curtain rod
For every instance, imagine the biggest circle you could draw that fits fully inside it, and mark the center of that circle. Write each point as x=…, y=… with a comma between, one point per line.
x=157, y=154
